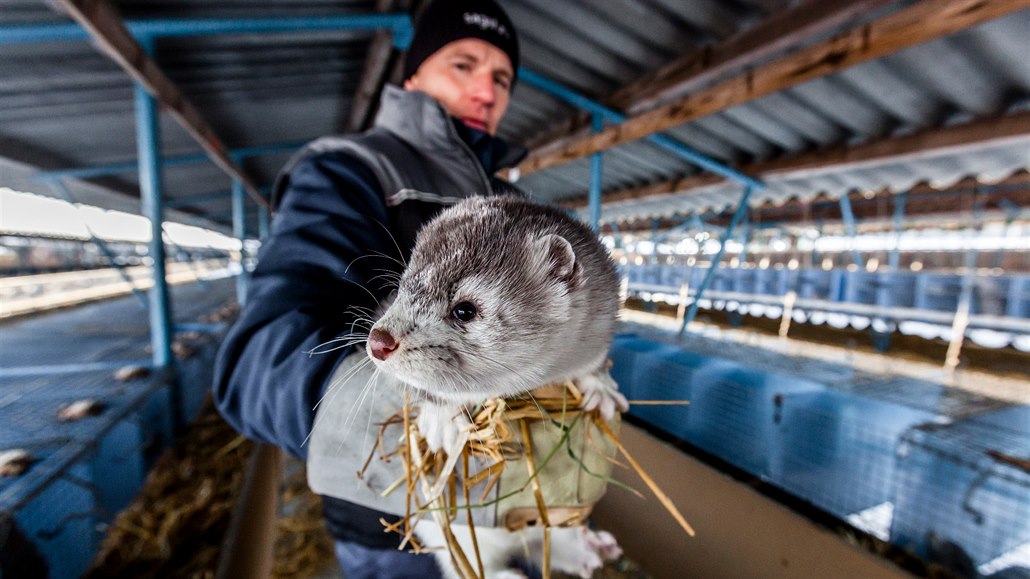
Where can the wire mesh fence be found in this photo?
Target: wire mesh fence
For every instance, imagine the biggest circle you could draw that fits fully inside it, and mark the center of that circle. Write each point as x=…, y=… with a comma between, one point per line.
x=908, y=461
x=84, y=464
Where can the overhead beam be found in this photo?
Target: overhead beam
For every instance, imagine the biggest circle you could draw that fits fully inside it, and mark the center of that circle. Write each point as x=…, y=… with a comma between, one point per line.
x=372, y=76
x=911, y=26
x=923, y=201
x=998, y=131
x=784, y=30
x=108, y=29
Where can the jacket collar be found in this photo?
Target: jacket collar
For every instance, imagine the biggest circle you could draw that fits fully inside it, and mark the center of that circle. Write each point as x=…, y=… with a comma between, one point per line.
x=417, y=118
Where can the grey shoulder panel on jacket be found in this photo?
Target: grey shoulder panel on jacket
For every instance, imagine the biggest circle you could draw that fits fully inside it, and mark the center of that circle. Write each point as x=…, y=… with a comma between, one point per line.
x=373, y=148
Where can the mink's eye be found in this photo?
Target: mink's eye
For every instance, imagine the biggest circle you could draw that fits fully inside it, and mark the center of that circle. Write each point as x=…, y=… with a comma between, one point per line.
x=464, y=312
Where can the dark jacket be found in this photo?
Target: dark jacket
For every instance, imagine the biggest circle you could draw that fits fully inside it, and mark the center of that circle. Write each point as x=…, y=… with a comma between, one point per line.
x=348, y=209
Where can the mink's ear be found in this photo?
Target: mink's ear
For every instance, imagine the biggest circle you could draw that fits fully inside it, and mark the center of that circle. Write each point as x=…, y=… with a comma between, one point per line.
x=555, y=252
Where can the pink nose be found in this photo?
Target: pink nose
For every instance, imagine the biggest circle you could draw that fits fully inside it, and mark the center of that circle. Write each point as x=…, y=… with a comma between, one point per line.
x=381, y=343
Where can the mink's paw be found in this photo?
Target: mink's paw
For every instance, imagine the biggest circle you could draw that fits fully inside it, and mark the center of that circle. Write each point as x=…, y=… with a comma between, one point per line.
x=441, y=425
x=601, y=392
x=580, y=551
x=604, y=544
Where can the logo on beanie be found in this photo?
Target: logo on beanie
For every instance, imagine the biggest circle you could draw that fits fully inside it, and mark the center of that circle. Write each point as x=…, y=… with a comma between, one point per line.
x=484, y=22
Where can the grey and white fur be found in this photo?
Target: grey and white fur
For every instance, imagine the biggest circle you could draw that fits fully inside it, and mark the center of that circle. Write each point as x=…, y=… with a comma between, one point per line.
x=503, y=295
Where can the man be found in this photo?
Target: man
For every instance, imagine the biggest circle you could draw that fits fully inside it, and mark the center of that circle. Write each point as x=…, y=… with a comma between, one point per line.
x=343, y=203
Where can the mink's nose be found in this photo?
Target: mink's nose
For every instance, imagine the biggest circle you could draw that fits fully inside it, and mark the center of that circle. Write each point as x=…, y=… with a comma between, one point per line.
x=381, y=343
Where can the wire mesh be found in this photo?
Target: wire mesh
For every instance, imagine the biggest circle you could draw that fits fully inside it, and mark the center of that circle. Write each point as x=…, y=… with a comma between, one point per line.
x=967, y=483
x=86, y=470
x=903, y=459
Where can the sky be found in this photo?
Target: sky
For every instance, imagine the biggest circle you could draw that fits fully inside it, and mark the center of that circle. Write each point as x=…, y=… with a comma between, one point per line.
x=29, y=213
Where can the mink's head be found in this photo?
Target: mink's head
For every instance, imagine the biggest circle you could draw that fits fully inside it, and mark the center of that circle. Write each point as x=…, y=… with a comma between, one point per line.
x=479, y=304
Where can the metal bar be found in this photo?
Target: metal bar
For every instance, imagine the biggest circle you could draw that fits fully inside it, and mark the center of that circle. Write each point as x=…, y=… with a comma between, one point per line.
x=200, y=327
x=745, y=232
x=147, y=144
x=63, y=191
x=737, y=215
x=894, y=259
x=670, y=144
x=399, y=24
x=686, y=223
x=695, y=220
x=964, y=308
x=198, y=199
x=61, y=369
x=176, y=161
x=239, y=231
x=849, y=226
x=596, y=175
x=264, y=222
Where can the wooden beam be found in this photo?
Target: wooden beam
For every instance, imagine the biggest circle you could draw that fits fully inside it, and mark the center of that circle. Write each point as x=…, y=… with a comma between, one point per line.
x=997, y=131
x=917, y=24
x=377, y=63
x=786, y=29
x=107, y=28
x=783, y=30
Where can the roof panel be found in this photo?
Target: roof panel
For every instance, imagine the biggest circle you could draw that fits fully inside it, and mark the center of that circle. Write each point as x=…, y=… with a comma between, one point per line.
x=64, y=104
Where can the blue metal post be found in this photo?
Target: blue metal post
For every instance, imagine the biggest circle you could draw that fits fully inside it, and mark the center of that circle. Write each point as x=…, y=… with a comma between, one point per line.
x=894, y=260
x=745, y=235
x=737, y=215
x=264, y=222
x=239, y=231
x=849, y=227
x=147, y=145
x=596, y=175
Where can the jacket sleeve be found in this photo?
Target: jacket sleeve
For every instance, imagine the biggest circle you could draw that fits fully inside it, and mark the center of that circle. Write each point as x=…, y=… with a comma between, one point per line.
x=307, y=289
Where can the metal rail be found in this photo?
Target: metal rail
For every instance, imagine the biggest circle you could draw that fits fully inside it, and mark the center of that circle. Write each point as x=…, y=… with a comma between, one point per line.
x=602, y=114
x=398, y=24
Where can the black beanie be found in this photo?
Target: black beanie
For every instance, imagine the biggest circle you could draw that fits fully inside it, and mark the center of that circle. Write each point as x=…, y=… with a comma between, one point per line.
x=445, y=21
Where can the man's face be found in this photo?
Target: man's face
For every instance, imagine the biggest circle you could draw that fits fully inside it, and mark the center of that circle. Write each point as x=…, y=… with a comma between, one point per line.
x=470, y=78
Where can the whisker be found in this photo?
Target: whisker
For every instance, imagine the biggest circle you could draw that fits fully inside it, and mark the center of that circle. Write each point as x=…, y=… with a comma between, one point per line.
x=396, y=245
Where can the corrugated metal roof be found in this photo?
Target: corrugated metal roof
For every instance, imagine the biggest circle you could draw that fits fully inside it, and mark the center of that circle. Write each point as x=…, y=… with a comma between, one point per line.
x=980, y=72
x=63, y=104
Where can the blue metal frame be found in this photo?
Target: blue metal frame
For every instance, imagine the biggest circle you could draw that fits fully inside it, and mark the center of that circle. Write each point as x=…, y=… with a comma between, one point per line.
x=239, y=231
x=668, y=143
x=737, y=215
x=176, y=161
x=745, y=235
x=672, y=145
x=894, y=259
x=147, y=144
x=850, y=227
x=398, y=24
x=264, y=222
x=596, y=177
x=32, y=371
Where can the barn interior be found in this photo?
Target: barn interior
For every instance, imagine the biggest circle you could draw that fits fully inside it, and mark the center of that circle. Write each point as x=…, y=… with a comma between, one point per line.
x=819, y=210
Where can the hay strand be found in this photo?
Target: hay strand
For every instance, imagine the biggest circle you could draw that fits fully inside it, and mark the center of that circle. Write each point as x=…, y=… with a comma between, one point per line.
x=662, y=497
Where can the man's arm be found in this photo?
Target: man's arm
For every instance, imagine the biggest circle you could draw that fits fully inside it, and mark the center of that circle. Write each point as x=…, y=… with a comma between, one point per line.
x=304, y=292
